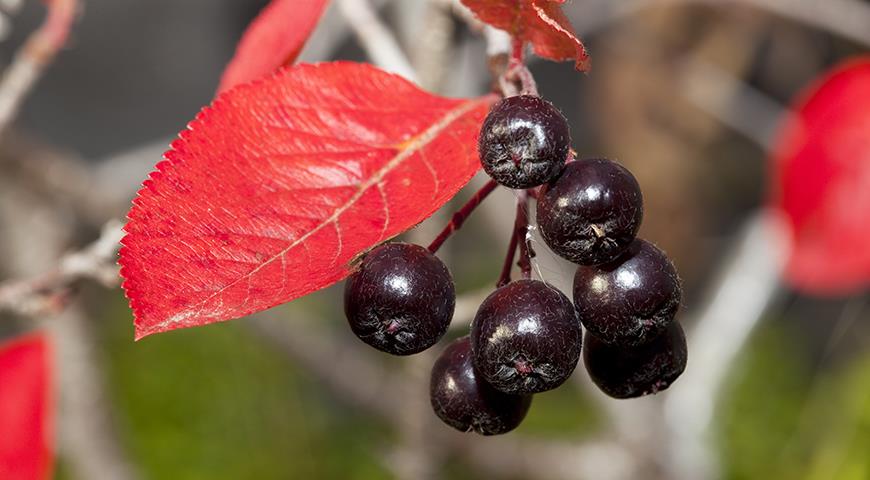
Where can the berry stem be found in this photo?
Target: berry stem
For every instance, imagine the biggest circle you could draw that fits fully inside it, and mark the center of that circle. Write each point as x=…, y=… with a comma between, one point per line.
x=517, y=79
x=517, y=51
x=505, y=277
x=527, y=80
x=462, y=214
x=521, y=229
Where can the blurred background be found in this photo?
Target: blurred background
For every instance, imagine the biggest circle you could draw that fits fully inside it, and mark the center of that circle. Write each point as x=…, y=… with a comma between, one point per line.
x=688, y=94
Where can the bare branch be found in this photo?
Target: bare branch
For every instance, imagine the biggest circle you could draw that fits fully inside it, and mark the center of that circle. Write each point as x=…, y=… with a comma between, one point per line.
x=733, y=102
x=63, y=178
x=37, y=53
x=342, y=368
x=514, y=457
x=357, y=379
x=498, y=42
x=86, y=435
x=748, y=281
x=431, y=43
x=47, y=292
x=846, y=18
x=377, y=40
x=88, y=438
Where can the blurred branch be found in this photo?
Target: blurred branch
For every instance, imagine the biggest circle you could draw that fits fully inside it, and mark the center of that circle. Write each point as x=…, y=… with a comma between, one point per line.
x=516, y=457
x=498, y=42
x=341, y=368
x=46, y=292
x=376, y=39
x=431, y=44
x=11, y=6
x=417, y=453
x=360, y=381
x=31, y=60
x=62, y=178
x=846, y=18
x=35, y=230
x=747, y=283
x=88, y=438
x=733, y=102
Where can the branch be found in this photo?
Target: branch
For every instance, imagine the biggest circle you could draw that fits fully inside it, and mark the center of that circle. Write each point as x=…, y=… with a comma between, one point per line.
x=31, y=60
x=432, y=43
x=516, y=457
x=341, y=368
x=733, y=102
x=359, y=380
x=48, y=291
x=88, y=438
x=846, y=18
x=376, y=39
x=521, y=230
x=462, y=214
x=748, y=281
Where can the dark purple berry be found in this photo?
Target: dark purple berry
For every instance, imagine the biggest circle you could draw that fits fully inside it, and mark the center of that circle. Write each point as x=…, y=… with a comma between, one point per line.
x=401, y=299
x=628, y=372
x=630, y=300
x=526, y=338
x=467, y=403
x=592, y=212
x=524, y=142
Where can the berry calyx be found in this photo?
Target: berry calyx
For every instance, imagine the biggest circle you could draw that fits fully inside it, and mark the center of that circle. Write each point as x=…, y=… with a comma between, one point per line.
x=467, y=403
x=630, y=300
x=592, y=212
x=629, y=372
x=401, y=299
x=524, y=142
x=526, y=338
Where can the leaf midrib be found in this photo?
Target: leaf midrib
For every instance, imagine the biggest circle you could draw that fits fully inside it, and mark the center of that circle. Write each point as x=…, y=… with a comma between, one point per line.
x=410, y=147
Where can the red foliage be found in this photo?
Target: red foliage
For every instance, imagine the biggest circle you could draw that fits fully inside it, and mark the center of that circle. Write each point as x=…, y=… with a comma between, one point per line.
x=274, y=39
x=539, y=22
x=26, y=420
x=821, y=174
x=274, y=190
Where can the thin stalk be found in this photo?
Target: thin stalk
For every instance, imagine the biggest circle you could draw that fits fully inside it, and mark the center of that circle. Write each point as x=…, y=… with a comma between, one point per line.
x=462, y=214
x=521, y=229
x=505, y=276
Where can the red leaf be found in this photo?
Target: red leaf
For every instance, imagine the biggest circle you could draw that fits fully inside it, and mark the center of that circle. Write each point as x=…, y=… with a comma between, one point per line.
x=25, y=409
x=274, y=39
x=274, y=190
x=540, y=22
x=821, y=174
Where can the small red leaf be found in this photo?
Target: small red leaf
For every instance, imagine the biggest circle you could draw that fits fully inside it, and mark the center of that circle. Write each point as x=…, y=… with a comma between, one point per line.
x=274, y=39
x=821, y=175
x=25, y=409
x=274, y=190
x=539, y=22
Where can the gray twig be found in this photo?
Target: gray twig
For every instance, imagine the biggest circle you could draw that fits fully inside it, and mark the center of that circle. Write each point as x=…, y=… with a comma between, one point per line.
x=377, y=40
x=46, y=292
x=32, y=59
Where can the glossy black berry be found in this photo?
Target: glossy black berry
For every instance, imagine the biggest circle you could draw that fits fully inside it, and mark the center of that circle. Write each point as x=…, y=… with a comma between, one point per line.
x=592, y=212
x=628, y=372
x=524, y=142
x=630, y=300
x=526, y=338
x=467, y=403
x=400, y=300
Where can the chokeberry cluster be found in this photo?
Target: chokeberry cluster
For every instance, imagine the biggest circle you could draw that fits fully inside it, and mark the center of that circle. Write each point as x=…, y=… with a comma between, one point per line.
x=526, y=337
